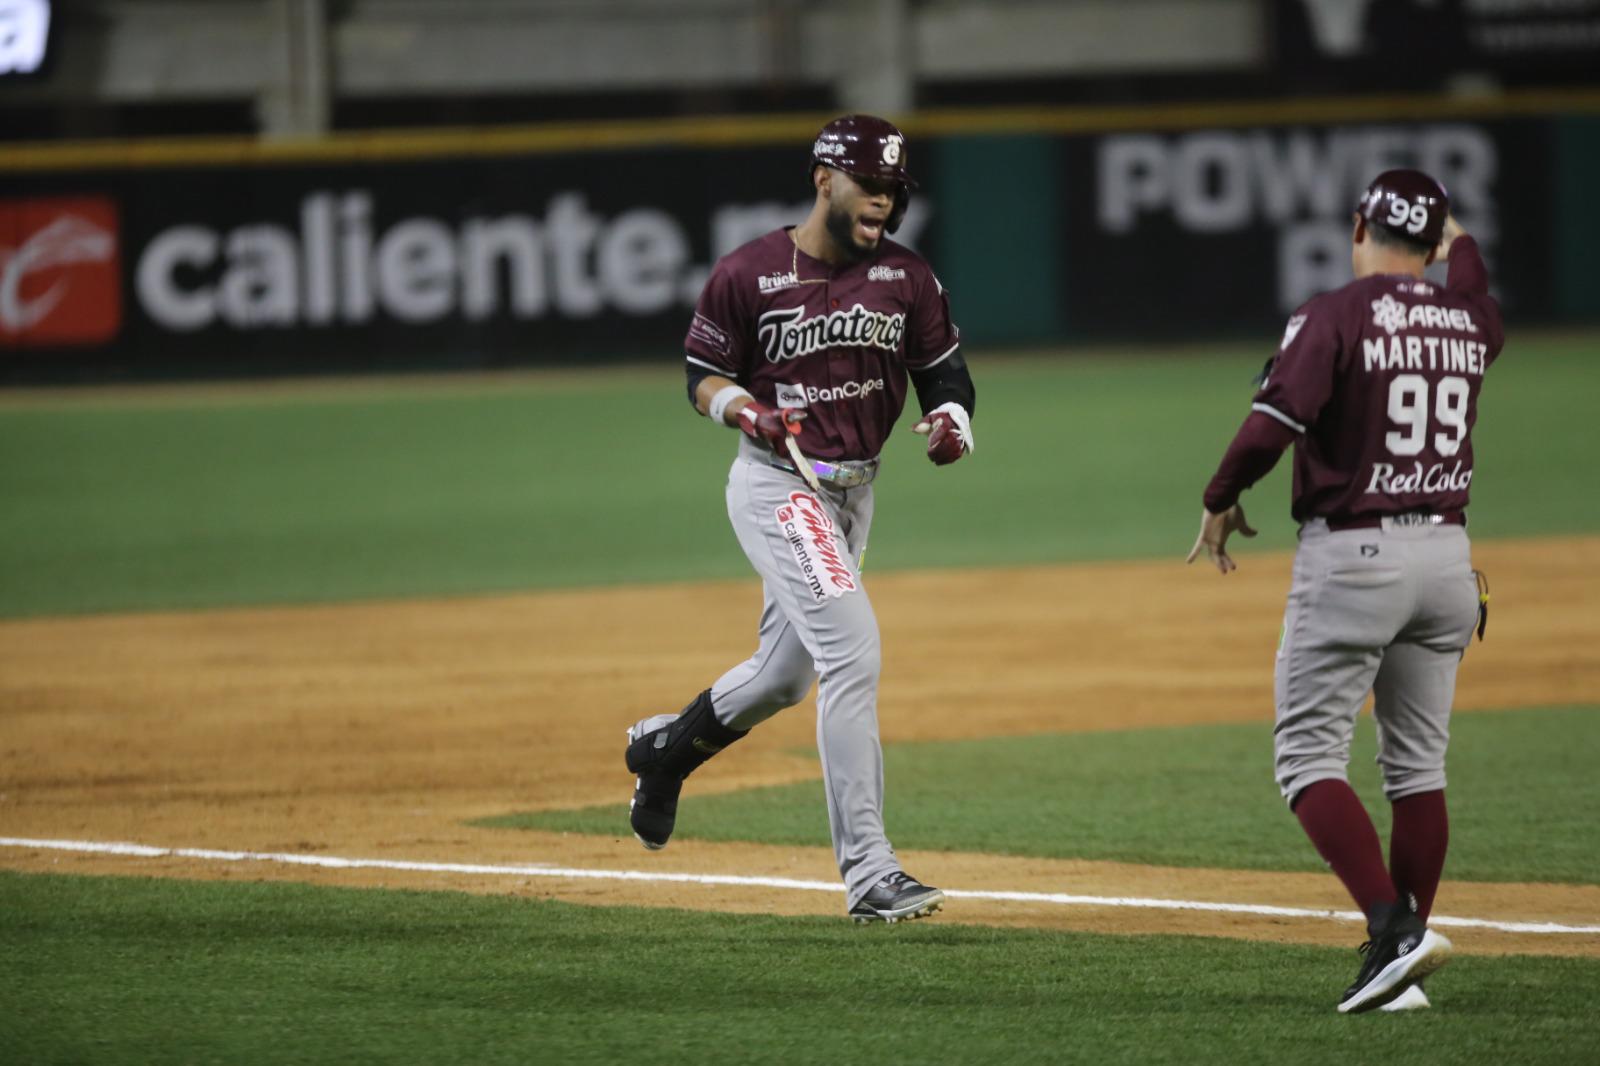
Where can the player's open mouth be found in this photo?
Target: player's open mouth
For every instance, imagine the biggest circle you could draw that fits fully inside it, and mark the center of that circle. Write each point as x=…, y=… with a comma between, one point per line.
x=871, y=228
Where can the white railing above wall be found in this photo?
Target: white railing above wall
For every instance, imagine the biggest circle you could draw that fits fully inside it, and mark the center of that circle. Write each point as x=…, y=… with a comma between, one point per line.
x=293, y=56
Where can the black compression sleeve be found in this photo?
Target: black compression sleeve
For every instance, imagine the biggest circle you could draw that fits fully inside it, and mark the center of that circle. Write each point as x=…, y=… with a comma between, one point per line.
x=696, y=375
x=948, y=382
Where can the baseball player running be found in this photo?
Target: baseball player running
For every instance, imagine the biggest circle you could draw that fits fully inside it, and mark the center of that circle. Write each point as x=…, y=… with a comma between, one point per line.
x=803, y=340
x=1377, y=385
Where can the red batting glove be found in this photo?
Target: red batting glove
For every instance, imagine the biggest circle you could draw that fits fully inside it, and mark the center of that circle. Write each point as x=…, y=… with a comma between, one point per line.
x=949, y=432
x=764, y=425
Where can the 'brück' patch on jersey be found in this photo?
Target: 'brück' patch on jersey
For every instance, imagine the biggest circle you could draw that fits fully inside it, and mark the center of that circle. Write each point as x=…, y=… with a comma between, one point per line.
x=778, y=282
x=811, y=535
x=710, y=334
x=790, y=396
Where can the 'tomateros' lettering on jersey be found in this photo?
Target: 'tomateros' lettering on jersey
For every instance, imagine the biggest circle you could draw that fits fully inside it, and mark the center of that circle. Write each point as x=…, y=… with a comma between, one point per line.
x=809, y=529
x=786, y=333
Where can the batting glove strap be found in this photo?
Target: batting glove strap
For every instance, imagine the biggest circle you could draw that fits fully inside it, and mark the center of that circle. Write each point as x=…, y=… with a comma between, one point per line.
x=761, y=423
x=962, y=423
x=949, y=431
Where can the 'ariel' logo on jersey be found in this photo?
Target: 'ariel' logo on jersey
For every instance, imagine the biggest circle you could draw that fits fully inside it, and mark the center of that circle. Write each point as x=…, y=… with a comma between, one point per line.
x=786, y=334
x=1389, y=314
x=1392, y=315
x=809, y=529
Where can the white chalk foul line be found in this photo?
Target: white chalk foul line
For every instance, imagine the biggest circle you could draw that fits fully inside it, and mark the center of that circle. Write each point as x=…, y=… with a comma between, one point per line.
x=1058, y=898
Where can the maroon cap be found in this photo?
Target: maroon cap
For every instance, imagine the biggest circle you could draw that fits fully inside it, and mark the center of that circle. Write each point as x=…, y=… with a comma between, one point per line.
x=867, y=147
x=1408, y=204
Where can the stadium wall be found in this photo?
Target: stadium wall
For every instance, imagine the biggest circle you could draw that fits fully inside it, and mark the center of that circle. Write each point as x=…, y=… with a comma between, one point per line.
x=576, y=243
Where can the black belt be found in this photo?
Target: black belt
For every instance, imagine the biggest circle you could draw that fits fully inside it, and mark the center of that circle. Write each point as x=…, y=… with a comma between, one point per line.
x=1404, y=519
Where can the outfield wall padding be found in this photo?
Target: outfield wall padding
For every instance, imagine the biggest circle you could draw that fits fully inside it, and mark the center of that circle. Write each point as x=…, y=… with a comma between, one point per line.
x=194, y=260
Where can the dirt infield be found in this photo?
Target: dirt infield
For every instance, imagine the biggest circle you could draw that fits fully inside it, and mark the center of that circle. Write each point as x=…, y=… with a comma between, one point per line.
x=380, y=730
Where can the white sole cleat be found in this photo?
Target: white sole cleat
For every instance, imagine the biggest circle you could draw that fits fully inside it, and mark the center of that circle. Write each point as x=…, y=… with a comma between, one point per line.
x=1431, y=952
x=1413, y=998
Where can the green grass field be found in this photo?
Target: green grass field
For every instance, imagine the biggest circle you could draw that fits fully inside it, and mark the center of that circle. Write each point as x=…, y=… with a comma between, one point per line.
x=111, y=970
x=132, y=504
x=165, y=500
x=1134, y=797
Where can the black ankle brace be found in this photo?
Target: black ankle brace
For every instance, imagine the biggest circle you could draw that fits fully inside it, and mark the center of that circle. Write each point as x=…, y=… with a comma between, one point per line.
x=680, y=747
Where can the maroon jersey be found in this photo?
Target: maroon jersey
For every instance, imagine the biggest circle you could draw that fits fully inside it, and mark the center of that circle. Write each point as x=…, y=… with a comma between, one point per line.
x=1381, y=379
x=836, y=341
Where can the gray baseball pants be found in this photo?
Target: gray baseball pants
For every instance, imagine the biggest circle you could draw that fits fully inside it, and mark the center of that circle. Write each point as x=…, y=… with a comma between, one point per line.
x=816, y=624
x=1388, y=611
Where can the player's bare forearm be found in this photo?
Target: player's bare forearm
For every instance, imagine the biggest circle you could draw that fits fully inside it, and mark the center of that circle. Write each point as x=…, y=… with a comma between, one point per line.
x=708, y=387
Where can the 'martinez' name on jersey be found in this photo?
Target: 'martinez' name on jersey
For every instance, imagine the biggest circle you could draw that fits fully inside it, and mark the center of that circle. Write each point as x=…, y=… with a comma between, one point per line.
x=786, y=333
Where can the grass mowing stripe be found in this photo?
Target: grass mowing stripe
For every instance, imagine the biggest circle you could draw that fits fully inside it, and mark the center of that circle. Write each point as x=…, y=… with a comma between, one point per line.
x=175, y=971
x=785, y=883
x=1190, y=796
x=357, y=493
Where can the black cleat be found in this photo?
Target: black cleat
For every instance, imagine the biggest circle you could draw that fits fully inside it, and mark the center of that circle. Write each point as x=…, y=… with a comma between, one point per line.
x=654, y=809
x=1398, y=956
x=897, y=898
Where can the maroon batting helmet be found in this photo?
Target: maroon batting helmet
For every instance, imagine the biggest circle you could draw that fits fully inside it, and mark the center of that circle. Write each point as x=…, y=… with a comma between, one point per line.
x=867, y=147
x=1408, y=204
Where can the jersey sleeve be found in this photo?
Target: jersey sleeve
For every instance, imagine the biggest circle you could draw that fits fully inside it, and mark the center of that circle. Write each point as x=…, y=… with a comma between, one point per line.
x=717, y=334
x=1255, y=450
x=1467, y=274
x=1470, y=278
x=931, y=337
x=1299, y=380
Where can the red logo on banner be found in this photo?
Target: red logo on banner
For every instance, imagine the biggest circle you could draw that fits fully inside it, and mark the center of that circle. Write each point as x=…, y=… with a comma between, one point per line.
x=60, y=275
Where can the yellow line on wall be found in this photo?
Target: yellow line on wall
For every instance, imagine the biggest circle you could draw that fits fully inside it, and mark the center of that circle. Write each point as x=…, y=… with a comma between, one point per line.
x=720, y=131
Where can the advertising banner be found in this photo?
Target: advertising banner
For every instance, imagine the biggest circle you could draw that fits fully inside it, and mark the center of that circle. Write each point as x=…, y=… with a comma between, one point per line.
x=472, y=262
x=1207, y=233
x=1192, y=234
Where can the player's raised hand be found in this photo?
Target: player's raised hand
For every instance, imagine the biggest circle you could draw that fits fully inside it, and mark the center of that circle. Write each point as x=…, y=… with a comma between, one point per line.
x=949, y=432
x=1452, y=230
x=1214, y=532
x=768, y=426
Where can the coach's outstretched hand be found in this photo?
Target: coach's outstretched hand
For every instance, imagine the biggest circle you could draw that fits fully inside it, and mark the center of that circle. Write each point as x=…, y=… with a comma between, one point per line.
x=761, y=423
x=1214, y=531
x=949, y=432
